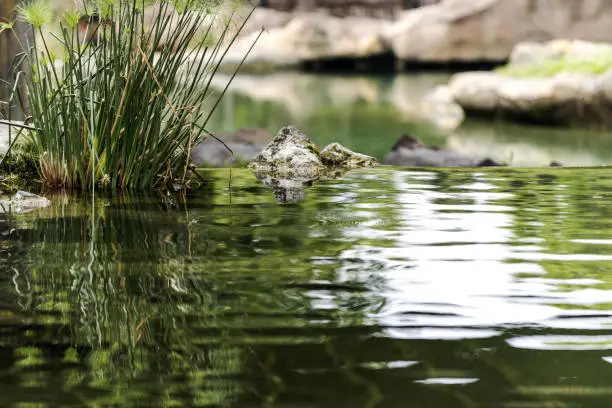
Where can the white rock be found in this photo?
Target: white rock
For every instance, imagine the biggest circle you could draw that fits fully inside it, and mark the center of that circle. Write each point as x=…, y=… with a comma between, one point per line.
x=563, y=98
x=468, y=30
x=310, y=36
x=291, y=154
x=476, y=90
x=23, y=202
x=439, y=108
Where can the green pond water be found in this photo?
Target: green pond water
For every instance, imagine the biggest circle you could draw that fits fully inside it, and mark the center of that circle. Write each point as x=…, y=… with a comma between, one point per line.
x=388, y=288
x=369, y=113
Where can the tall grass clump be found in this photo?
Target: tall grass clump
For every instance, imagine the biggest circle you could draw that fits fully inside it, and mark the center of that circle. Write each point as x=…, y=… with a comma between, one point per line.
x=131, y=96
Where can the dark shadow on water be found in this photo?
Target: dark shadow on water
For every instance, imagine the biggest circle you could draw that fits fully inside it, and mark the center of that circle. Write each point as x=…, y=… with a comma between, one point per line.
x=387, y=63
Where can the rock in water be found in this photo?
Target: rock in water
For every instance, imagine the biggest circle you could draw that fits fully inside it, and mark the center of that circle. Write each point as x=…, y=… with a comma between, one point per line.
x=408, y=151
x=245, y=144
x=290, y=154
x=23, y=202
x=286, y=191
x=292, y=161
x=339, y=156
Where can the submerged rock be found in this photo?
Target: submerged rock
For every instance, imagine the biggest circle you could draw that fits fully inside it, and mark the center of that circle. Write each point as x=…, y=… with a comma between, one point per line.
x=23, y=202
x=244, y=143
x=337, y=155
x=408, y=151
x=439, y=108
x=292, y=161
x=214, y=153
x=286, y=191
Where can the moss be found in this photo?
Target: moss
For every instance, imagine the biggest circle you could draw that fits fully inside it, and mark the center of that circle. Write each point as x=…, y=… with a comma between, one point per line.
x=552, y=67
x=19, y=168
x=313, y=148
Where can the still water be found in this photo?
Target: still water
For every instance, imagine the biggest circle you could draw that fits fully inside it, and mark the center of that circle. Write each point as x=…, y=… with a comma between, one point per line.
x=369, y=113
x=388, y=288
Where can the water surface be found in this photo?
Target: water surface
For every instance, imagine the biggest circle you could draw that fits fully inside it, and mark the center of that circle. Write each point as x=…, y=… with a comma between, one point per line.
x=389, y=288
x=369, y=113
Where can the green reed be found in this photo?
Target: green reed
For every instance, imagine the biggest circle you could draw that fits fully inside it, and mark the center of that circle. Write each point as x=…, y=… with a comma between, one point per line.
x=130, y=97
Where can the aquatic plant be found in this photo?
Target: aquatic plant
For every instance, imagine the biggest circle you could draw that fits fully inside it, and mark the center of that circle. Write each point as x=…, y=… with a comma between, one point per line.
x=128, y=96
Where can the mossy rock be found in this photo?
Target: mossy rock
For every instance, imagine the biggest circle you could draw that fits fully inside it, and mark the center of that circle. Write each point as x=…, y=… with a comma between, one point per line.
x=292, y=155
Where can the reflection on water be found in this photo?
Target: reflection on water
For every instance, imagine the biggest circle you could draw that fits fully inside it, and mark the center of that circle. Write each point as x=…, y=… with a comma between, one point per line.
x=388, y=288
x=287, y=190
x=369, y=113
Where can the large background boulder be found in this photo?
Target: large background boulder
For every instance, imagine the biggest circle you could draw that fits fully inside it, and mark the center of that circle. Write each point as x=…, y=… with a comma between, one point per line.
x=560, y=82
x=308, y=36
x=566, y=98
x=426, y=101
x=473, y=30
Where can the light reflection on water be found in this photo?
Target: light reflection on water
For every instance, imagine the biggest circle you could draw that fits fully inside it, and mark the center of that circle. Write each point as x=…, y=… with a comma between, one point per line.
x=445, y=288
x=450, y=266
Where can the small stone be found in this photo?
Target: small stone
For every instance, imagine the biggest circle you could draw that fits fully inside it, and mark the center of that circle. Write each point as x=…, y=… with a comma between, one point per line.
x=339, y=156
x=23, y=201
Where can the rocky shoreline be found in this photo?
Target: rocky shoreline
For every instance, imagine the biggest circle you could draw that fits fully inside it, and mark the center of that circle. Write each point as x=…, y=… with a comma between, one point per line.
x=457, y=32
x=563, y=83
x=449, y=32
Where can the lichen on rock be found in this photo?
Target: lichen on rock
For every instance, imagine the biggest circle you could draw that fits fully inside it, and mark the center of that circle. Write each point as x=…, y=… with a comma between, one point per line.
x=291, y=153
x=294, y=158
x=337, y=155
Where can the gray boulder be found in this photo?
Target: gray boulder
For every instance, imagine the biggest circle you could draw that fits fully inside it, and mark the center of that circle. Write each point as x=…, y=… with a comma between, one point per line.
x=408, y=151
x=293, y=156
x=336, y=155
x=307, y=36
x=244, y=143
x=487, y=30
x=286, y=191
x=564, y=99
x=546, y=83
